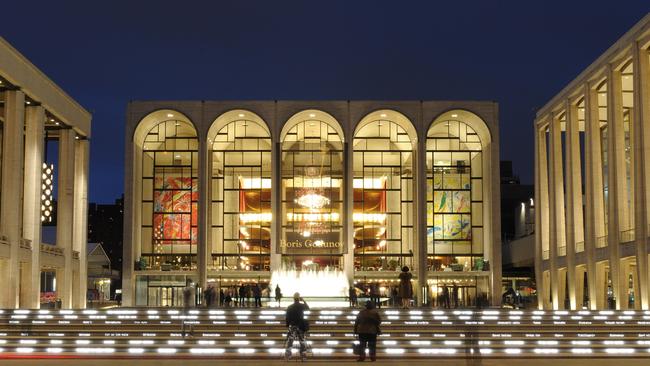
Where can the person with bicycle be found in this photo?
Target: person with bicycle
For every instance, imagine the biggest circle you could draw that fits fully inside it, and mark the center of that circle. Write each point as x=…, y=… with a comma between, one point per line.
x=297, y=326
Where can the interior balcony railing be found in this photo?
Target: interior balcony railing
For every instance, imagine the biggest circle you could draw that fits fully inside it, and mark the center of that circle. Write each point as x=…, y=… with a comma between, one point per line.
x=601, y=241
x=546, y=254
x=561, y=251
x=626, y=236
x=580, y=246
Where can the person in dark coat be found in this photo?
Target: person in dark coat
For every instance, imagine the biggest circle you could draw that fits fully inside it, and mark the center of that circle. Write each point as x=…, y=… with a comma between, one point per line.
x=352, y=295
x=242, y=296
x=405, y=287
x=297, y=326
x=367, y=327
x=257, y=295
x=222, y=297
x=278, y=294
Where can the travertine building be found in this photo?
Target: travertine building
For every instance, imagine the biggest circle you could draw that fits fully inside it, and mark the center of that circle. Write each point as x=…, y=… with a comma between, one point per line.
x=592, y=164
x=34, y=109
x=229, y=191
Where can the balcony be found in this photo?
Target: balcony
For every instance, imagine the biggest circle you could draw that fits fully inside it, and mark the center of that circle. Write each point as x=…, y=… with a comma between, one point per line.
x=561, y=251
x=51, y=249
x=546, y=254
x=580, y=246
x=26, y=244
x=601, y=241
x=626, y=236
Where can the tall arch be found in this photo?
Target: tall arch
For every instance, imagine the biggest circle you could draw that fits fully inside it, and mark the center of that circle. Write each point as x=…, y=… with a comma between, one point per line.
x=240, y=192
x=383, y=189
x=311, y=192
x=458, y=201
x=166, y=193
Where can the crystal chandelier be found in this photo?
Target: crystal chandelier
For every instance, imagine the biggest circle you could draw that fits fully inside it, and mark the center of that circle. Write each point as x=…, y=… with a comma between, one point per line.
x=313, y=201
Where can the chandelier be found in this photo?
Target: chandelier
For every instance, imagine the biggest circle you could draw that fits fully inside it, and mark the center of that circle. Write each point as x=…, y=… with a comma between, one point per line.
x=313, y=201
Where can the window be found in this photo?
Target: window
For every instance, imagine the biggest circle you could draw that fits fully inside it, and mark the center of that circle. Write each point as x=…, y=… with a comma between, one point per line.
x=170, y=196
x=241, y=216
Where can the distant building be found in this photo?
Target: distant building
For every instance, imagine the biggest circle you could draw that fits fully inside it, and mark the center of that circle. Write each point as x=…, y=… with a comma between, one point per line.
x=105, y=227
x=517, y=229
x=34, y=110
x=101, y=274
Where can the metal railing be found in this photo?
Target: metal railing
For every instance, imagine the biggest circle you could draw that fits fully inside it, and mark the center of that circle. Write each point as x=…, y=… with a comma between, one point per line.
x=580, y=246
x=626, y=236
x=601, y=241
x=561, y=251
x=546, y=254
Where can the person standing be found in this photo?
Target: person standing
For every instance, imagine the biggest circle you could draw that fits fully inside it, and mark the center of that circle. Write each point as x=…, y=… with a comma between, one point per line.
x=367, y=327
x=278, y=294
x=405, y=287
x=257, y=295
x=297, y=326
x=188, y=294
x=242, y=296
x=352, y=295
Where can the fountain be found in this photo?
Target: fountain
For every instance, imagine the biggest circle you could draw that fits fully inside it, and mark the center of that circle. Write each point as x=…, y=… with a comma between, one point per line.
x=325, y=288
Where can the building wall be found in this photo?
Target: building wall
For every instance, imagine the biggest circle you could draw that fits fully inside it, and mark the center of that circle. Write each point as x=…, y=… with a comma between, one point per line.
x=348, y=114
x=591, y=183
x=32, y=105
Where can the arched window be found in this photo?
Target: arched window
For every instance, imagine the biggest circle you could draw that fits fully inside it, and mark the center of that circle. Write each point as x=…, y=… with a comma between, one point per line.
x=169, y=195
x=312, y=191
x=240, y=231
x=383, y=192
x=455, y=194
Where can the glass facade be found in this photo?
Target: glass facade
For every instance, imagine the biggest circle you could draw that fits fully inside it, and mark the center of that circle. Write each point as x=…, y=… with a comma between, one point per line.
x=311, y=196
x=454, y=197
x=170, y=196
x=240, y=234
x=383, y=197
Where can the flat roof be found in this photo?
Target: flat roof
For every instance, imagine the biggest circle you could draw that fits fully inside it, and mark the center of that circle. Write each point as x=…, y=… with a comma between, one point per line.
x=19, y=71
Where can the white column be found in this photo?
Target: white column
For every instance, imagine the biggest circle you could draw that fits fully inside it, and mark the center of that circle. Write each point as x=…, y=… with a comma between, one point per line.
x=276, y=223
x=12, y=185
x=617, y=200
x=556, y=193
x=543, y=207
x=573, y=198
x=348, y=206
x=204, y=248
x=595, y=219
x=538, y=217
x=64, y=219
x=80, y=218
x=420, y=207
x=34, y=131
x=641, y=121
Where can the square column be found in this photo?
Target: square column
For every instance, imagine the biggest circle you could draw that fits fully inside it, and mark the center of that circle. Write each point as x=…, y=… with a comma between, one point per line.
x=641, y=145
x=574, y=229
x=204, y=247
x=538, y=222
x=12, y=185
x=617, y=200
x=65, y=216
x=420, y=206
x=34, y=149
x=348, y=207
x=594, y=210
x=542, y=214
x=80, y=217
x=556, y=193
x=276, y=223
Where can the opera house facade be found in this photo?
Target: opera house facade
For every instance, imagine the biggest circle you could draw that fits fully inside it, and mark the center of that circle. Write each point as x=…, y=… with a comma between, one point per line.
x=232, y=192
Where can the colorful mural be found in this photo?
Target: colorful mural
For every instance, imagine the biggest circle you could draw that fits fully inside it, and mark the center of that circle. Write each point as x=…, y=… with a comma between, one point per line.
x=175, y=209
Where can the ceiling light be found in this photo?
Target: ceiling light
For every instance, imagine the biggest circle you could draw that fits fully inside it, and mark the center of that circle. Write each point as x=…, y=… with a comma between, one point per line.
x=28, y=102
x=51, y=119
x=56, y=123
x=170, y=115
x=383, y=115
x=454, y=115
x=241, y=115
x=313, y=201
x=312, y=115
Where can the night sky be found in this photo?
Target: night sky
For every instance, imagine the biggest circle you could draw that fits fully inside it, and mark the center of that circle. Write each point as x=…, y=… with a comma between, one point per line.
x=105, y=53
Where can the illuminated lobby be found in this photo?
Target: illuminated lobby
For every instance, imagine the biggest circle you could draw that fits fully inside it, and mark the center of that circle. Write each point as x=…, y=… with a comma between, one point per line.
x=317, y=196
